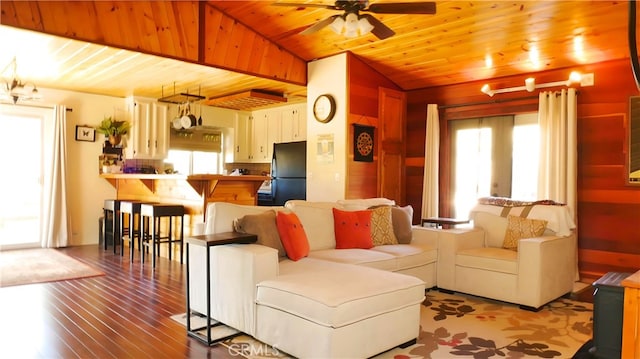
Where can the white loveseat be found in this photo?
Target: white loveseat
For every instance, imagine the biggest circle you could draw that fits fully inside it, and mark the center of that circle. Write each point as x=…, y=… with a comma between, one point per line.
x=334, y=303
x=539, y=270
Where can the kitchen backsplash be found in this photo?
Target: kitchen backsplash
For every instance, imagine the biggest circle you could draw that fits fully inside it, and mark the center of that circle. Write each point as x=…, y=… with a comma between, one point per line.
x=253, y=168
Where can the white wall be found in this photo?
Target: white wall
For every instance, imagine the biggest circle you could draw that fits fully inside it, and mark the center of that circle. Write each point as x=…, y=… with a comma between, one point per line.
x=326, y=181
x=86, y=191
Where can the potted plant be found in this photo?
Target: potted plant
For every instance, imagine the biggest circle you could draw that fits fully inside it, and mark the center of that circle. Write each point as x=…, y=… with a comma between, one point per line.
x=113, y=129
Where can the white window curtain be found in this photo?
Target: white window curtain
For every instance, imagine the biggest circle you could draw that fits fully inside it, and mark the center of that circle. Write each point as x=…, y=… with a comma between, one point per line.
x=557, y=175
x=431, y=163
x=56, y=226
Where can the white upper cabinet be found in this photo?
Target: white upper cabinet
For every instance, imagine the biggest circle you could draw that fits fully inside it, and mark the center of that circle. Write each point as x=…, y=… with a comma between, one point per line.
x=149, y=134
x=255, y=133
x=294, y=124
x=243, y=131
x=266, y=132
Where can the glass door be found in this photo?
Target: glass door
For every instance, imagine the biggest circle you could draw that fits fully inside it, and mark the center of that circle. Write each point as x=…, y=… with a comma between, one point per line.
x=21, y=164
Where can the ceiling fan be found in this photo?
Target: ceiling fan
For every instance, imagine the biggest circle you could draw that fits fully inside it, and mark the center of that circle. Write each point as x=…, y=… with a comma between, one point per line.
x=352, y=23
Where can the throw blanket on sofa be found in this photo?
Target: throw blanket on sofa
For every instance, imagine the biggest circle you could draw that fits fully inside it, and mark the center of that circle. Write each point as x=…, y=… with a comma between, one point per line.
x=558, y=218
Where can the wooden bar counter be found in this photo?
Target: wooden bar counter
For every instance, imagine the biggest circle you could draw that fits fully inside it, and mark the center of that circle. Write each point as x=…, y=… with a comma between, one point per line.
x=195, y=192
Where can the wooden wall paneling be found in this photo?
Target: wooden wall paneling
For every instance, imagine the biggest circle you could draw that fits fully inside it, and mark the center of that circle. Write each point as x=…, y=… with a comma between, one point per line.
x=608, y=208
x=391, y=171
x=363, y=84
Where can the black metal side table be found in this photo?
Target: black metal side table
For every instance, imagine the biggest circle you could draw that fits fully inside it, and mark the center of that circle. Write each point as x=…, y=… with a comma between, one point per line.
x=208, y=241
x=440, y=222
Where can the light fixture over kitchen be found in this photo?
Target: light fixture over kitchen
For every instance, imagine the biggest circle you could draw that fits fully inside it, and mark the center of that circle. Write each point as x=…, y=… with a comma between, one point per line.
x=14, y=88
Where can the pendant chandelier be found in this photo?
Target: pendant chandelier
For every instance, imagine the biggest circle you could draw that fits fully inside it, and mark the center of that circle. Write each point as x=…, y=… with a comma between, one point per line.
x=14, y=88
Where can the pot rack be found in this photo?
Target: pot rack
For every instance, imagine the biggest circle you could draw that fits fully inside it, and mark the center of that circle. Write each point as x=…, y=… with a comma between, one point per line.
x=180, y=98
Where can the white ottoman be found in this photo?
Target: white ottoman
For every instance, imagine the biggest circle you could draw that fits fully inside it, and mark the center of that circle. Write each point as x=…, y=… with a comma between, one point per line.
x=322, y=309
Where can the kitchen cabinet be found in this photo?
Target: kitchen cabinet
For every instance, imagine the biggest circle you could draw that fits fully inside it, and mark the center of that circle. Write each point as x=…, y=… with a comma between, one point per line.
x=266, y=132
x=243, y=133
x=149, y=134
x=294, y=124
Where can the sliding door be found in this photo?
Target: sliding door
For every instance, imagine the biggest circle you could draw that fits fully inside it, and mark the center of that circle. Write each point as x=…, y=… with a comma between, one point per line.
x=21, y=151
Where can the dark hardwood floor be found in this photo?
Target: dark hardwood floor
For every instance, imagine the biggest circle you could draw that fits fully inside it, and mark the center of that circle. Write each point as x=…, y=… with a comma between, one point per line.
x=123, y=314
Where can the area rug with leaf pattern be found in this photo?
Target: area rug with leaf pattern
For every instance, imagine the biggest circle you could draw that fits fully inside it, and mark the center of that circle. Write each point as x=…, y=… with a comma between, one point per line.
x=464, y=326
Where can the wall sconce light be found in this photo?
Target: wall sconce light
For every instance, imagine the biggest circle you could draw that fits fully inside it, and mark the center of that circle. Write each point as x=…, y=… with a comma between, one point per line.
x=530, y=84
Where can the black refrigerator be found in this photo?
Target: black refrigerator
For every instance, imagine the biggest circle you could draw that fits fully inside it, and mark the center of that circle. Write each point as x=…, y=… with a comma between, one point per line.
x=289, y=172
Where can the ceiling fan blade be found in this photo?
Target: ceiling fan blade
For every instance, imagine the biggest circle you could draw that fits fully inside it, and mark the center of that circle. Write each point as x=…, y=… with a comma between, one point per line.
x=318, y=25
x=380, y=30
x=427, y=8
x=303, y=5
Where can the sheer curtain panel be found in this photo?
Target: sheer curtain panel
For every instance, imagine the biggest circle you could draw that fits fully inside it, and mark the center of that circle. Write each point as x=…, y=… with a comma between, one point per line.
x=430, y=192
x=55, y=221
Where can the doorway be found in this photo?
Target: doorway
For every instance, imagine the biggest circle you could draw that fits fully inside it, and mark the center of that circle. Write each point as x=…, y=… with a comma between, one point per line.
x=21, y=191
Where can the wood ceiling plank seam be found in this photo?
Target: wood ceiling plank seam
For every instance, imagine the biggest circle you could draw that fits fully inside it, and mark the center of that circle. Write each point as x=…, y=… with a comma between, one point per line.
x=202, y=19
x=109, y=33
x=235, y=45
x=248, y=38
x=163, y=28
x=187, y=14
x=53, y=18
x=134, y=19
x=145, y=18
x=257, y=52
x=213, y=27
x=84, y=12
x=222, y=40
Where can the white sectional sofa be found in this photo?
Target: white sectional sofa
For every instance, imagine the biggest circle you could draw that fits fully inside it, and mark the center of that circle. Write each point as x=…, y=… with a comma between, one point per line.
x=333, y=303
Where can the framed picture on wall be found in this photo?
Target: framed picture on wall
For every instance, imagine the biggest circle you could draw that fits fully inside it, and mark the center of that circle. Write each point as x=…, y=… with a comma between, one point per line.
x=85, y=133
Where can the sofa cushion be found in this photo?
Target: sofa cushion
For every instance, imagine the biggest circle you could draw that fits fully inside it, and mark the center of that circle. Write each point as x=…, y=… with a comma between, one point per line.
x=364, y=257
x=220, y=215
x=409, y=255
x=264, y=226
x=292, y=235
x=402, y=218
x=494, y=227
x=352, y=229
x=317, y=219
x=335, y=294
x=518, y=228
x=382, y=226
x=487, y=258
x=363, y=203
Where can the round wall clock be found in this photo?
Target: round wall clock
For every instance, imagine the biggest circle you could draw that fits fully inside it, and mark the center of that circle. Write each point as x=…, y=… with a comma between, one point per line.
x=324, y=108
x=364, y=143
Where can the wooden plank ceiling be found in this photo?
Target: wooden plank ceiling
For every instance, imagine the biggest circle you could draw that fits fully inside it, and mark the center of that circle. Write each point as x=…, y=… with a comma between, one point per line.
x=217, y=48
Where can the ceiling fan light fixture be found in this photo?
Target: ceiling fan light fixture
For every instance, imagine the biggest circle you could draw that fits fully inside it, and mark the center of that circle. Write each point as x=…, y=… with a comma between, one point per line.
x=337, y=25
x=17, y=90
x=364, y=26
x=351, y=25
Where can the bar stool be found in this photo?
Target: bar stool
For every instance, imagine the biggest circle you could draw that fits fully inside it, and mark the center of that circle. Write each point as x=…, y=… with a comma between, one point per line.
x=111, y=220
x=150, y=234
x=132, y=210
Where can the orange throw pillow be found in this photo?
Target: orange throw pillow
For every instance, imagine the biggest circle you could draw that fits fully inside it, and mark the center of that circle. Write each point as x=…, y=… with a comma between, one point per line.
x=292, y=235
x=352, y=229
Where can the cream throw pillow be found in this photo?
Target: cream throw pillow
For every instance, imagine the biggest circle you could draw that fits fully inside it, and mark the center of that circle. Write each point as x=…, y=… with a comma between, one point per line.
x=518, y=228
x=382, y=227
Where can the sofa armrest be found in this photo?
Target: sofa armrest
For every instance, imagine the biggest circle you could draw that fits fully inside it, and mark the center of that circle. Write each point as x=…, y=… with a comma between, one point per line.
x=450, y=241
x=546, y=268
x=236, y=269
x=424, y=236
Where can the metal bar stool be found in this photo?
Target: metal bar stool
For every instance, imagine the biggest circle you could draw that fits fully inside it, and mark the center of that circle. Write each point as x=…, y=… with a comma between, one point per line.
x=150, y=230
x=111, y=223
x=132, y=210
